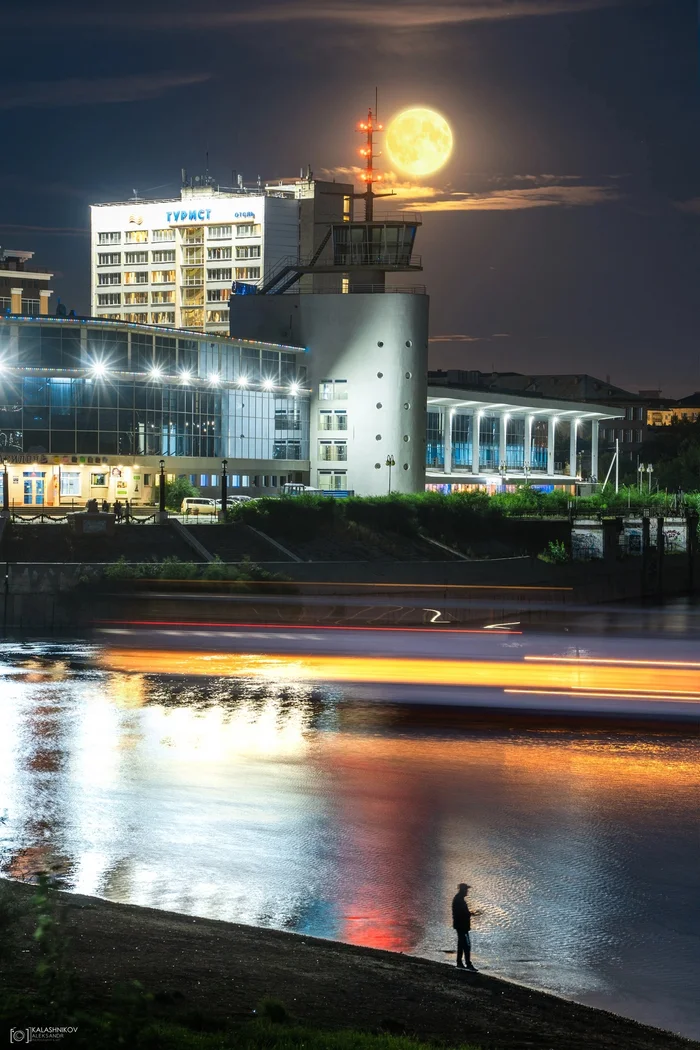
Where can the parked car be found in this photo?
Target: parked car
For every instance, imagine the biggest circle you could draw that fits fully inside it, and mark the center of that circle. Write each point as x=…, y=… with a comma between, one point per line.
x=230, y=500
x=198, y=505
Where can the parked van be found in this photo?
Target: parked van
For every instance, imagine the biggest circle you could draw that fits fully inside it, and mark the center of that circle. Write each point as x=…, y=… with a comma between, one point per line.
x=198, y=505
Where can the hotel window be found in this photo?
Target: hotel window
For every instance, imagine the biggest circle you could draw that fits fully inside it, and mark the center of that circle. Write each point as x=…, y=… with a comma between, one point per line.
x=248, y=229
x=163, y=317
x=162, y=235
x=333, y=420
x=109, y=259
x=134, y=258
x=219, y=275
x=193, y=256
x=98, y=481
x=166, y=256
x=247, y=273
x=193, y=318
x=162, y=297
x=135, y=298
x=217, y=316
x=136, y=318
x=109, y=299
x=193, y=296
x=163, y=277
x=218, y=253
x=109, y=278
x=333, y=390
x=109, y=238
x=250, y=251
x=218, y=295
x=333, y=450
x=192, y=235
x=220, y=232
x=136, y=236
x=136, y=277
x=347, y=209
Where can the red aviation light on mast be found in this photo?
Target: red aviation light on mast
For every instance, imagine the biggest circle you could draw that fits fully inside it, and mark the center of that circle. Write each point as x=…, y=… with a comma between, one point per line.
x=369, y=176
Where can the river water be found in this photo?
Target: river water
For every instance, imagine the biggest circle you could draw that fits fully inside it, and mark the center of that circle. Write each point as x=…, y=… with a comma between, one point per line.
x=309, y=811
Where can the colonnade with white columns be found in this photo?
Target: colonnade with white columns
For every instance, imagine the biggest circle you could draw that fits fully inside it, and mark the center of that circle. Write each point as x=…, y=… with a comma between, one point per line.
x=442, y=454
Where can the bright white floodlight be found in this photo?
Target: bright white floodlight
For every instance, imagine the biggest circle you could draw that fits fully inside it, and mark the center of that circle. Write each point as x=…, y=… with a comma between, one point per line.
x=294, y=389
x=242, y=381
x=185, y=377
x=268, y=384
x=98, y=369
x=155, y=373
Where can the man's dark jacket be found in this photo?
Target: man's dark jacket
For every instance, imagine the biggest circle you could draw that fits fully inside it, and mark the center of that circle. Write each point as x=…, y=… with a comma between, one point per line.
x=461, y=916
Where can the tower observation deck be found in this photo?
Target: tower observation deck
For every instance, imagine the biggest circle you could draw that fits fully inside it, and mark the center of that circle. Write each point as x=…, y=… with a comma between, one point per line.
x=359, y=253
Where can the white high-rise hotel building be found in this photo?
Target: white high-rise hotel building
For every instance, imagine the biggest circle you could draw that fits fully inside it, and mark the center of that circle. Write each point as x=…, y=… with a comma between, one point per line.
x=172, y=262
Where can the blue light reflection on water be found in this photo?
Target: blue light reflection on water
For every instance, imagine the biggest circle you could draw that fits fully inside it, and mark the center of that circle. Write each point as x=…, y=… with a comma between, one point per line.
x=305, y=811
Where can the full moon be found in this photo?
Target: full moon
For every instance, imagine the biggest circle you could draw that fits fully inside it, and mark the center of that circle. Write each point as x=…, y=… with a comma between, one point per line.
x=418, y=141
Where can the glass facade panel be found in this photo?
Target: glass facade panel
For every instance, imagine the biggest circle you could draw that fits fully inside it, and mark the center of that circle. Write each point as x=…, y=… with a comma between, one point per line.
x=515, y=443
x=489, y=442
x=538, y=445
x=462, y=424
x=435, y=443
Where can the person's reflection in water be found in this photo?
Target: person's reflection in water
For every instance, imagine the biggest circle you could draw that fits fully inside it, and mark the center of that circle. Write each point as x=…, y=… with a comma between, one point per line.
x=461, y=922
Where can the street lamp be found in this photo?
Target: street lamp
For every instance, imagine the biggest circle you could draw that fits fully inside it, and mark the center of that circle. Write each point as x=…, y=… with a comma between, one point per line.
x=224, y=488
x=502, y=468
x=650, y=471
x=390, y=462
x=162, y=487
x=5, y=490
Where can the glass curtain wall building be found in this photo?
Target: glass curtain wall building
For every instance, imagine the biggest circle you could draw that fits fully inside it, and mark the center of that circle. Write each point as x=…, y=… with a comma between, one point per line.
x=91, y=405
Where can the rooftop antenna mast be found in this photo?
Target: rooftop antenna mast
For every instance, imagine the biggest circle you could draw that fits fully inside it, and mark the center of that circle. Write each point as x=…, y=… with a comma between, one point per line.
x=370, y=175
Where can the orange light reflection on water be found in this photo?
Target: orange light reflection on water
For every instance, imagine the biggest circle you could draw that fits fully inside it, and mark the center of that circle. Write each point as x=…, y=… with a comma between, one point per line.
x=626, y=679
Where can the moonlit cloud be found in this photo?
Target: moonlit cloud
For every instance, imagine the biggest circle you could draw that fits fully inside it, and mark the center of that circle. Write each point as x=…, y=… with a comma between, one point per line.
x=50, y=94
x=492, y=192
x=692, y=205
x=394, y=15
x=517, y=200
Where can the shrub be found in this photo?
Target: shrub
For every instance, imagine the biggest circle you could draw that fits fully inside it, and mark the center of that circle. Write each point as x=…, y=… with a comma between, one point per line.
x=173, y=569
x=555, y=553
x=178, y=490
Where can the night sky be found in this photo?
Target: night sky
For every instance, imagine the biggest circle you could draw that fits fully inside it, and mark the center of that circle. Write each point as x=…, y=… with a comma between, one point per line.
x=563, y=235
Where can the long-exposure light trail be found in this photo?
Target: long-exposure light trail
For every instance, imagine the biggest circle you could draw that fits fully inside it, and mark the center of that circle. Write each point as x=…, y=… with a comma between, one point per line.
x=604, y=660
x=578, y=678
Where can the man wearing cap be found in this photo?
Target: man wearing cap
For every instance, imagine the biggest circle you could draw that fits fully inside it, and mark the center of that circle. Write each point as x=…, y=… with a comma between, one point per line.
x=461, y=922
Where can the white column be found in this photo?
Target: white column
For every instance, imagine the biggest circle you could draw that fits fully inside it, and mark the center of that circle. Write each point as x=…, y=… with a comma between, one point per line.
x=527, y=458
x=447, y=437
x=551, y=431
x=573, y=451
x=503, y=434
x=595, y=424
x=475, y=442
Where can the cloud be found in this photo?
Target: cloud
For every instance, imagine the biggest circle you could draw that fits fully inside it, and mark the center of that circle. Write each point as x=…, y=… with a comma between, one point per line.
x=692, y=205
x=519, y=199
x=65, y=231
x=50, y=94
x=492, y=192
x=467, y=338
x=394, y=15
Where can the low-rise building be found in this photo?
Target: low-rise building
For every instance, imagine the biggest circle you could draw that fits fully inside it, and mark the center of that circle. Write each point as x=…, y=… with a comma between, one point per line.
x=23, y=290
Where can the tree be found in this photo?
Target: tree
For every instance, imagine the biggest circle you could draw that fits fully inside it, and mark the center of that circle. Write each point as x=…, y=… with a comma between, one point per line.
x=178, y=490
x=674, y=452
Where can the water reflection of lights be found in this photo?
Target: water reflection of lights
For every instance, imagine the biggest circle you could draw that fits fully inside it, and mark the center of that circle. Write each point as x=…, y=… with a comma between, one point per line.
x=574, y=677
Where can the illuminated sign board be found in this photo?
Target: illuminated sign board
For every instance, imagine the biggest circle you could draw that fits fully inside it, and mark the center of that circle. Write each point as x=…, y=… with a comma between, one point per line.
x=201, y=215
